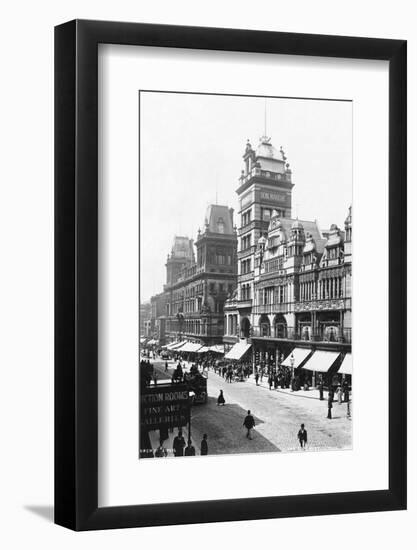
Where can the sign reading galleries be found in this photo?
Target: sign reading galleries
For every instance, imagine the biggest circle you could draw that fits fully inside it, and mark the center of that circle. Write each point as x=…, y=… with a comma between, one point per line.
x=164, y=406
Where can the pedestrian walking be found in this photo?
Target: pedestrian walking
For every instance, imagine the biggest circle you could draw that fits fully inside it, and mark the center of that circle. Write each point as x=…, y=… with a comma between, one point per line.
x=329, y=405
x=249, y=424
x=221, y=400
x=321, y=387
x=189, y=449
x=345, y=386
x=166, y=366
x=179, y=444
x=339, y=394
x=204, y=445
x=302, y=436
x=270, y=381
x=257, y=378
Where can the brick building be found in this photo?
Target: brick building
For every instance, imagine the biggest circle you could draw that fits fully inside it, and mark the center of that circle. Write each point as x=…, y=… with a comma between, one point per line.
x=199, y=281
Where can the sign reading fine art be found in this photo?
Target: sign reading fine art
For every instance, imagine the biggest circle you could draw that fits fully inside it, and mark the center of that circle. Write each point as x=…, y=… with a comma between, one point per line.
x=167, y=406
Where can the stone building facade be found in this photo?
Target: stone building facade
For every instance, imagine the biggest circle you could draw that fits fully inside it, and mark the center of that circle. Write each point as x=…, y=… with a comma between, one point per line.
x=294, y=281
x=199, y=278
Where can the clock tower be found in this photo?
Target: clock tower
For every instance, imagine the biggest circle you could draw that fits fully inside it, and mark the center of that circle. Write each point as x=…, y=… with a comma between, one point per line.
x=264, y=190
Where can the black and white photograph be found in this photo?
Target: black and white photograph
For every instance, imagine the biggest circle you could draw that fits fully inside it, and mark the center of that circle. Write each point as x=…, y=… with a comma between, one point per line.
x=184, y=187
x=245, y=283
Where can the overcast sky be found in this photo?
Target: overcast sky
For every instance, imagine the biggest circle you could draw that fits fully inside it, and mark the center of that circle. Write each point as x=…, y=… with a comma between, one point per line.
x=191, y=149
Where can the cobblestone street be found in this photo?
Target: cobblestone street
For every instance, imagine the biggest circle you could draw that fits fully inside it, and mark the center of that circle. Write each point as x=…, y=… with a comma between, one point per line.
x=278, y=415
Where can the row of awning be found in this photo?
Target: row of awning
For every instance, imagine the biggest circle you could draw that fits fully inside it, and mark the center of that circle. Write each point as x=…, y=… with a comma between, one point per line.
x=148, y=342
x=192, y=347
x=318, y=361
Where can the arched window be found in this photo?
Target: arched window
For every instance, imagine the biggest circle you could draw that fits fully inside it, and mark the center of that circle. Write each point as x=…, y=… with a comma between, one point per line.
x=220, y=225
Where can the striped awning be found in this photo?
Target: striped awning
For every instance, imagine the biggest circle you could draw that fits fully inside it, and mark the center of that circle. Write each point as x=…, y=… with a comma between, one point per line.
x=203, y=349
x=175, y=345
x=321, y=361
x=299, y=355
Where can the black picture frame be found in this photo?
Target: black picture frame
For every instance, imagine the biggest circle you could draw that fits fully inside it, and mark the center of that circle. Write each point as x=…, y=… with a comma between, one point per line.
x=76, y=272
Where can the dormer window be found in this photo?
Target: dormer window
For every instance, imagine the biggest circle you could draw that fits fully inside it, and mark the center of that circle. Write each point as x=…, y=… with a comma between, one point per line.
x=220, y=225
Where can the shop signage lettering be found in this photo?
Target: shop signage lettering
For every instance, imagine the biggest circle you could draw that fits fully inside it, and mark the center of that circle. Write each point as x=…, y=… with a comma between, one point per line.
x=162, y=407
x=276, y=197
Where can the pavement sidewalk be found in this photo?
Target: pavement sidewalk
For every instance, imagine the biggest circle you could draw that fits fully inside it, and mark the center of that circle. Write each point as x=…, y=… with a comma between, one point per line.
x=312, y=393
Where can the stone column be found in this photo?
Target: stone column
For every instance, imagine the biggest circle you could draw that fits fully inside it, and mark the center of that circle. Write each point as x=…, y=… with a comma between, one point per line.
x=314, y=325
x=341, y=323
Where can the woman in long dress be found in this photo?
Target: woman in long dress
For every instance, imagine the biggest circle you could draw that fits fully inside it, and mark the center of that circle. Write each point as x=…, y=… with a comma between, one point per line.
x=221, y=400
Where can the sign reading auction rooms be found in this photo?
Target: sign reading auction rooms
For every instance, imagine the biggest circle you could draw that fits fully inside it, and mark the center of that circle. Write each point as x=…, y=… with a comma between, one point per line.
x=164, y=407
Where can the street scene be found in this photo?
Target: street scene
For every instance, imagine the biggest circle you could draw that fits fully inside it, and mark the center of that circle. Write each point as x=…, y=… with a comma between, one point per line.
x=278, y=415
x=245, y=313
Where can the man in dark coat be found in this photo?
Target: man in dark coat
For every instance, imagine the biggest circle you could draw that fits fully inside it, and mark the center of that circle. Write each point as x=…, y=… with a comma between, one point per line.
x=329, y=405
x=204, y=445
x=345, y=391
x=257, y=378
x=321, y=387
x=302, y=436
x=179, y=444
x=249, y=423
x=189, y=449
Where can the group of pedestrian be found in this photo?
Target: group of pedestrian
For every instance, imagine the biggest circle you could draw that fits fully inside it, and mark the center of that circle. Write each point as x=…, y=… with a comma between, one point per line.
x=280, y=377
x=342, y=394
x=187, y=449
x=233, y=372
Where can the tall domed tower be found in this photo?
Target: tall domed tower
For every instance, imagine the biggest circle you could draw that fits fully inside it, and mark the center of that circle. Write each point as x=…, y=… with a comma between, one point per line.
x=264, y=190
x=182, y=255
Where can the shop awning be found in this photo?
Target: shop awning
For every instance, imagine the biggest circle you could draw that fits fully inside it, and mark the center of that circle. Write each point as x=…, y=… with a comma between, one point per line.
x=346, y=366
x=321, y=361
x=203, y=349
x=152, y=342
x=169, y=346
x=175, y=345
x=299, y=354
x=238, y=351
x=142, y=340
x=217, y=348
x=190, y=347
